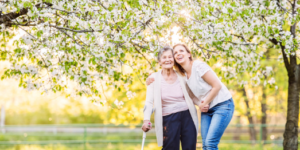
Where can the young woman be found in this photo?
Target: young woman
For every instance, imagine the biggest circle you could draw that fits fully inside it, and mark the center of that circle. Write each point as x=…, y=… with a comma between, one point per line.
x=175, y=114
x=207, y=87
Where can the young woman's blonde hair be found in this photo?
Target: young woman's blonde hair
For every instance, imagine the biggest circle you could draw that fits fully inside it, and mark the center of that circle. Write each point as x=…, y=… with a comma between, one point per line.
x=178, y=68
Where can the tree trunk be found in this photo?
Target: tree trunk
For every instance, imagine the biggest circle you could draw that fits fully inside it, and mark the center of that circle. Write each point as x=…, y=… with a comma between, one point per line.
x=252, y=131
x=2, y=120
x=264, y=114
x=290, y=141
x=290, y=135
x=291, y=127
x=237, y=133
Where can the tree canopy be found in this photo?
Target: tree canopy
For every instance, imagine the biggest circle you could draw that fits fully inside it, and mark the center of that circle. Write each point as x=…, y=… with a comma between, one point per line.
x=91, y=43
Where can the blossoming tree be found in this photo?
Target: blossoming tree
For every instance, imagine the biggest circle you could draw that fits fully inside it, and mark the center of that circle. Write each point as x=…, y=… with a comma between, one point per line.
x=238, y=31
x=77, y=46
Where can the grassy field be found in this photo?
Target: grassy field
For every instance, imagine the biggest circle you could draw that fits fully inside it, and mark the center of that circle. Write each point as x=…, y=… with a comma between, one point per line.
x=93, y=141
x=123, y=146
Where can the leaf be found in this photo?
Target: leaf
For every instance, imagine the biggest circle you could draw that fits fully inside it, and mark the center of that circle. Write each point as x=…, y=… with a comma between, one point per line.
x=39, y=33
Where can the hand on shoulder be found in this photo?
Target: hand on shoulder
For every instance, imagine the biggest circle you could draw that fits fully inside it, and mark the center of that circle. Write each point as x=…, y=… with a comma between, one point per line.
x=150, y=79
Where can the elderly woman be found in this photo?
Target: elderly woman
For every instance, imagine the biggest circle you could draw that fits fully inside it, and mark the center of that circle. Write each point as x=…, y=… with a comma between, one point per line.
x=175, y=114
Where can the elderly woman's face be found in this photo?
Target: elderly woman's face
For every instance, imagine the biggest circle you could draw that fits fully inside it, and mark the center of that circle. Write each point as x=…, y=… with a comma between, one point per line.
x=166, y=60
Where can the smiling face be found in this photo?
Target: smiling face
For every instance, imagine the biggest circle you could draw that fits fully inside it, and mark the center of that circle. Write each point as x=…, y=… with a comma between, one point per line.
x=181, y=55
x=166, y=60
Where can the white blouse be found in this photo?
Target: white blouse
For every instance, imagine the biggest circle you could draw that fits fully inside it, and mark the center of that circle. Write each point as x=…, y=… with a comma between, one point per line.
x=200, y=88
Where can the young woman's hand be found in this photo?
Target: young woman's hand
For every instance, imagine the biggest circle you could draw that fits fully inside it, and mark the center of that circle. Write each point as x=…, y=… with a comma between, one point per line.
x=146, y=126
x=149, y=81
x=203, y=107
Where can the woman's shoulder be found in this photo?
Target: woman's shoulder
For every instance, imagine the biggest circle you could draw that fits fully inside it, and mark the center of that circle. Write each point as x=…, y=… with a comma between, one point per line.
x=201, y=67
x=153, y=75
x=199, y=63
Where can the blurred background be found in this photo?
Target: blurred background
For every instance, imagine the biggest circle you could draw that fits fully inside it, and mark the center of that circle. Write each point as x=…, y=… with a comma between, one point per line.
x=31, y=120
x=35, y=120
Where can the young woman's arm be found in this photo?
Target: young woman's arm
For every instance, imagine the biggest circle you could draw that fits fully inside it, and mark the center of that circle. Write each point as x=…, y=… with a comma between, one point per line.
x=196, y=101
x=216, y=85
x=149, y=80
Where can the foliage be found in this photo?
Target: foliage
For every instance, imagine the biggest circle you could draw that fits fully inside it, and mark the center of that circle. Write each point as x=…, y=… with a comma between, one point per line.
x=82, y=46
x=83, y=43
x=90, y=43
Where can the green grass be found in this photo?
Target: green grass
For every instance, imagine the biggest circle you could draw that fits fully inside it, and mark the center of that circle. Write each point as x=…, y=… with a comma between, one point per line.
x=112, y=141
x=122, y=146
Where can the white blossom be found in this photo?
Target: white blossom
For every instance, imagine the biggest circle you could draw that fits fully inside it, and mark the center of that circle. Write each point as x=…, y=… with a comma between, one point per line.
x=118, y=103
x=271, y=81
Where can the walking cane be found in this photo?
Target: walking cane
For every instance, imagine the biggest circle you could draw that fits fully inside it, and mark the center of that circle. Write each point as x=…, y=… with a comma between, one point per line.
x=144, y=137
x=144, y=133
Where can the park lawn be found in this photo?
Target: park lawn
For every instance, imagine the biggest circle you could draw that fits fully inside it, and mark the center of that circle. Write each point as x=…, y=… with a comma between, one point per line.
x=112, y=141
x=122, y=146
x=91, y=136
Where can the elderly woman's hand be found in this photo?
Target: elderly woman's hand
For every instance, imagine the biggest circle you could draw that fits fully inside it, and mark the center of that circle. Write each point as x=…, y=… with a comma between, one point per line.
x=146, y=126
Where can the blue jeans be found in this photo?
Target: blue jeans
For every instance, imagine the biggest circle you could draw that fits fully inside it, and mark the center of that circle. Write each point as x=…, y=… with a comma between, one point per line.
x=214, y=122
x=179, y=127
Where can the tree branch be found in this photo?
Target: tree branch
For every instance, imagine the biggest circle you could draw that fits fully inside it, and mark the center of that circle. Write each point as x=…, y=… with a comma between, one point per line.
x=134, y=45
x=240, y=36
x=68, y=12
x=240, y=43
x=78, y=31
x=282, y=8
x=290, y=2
x=102, y=5
x=195, y=42
x=285, y=59
x=19, y=24
x=29, y=34
x=4, y=2
x=13, y=15
x=75, y=41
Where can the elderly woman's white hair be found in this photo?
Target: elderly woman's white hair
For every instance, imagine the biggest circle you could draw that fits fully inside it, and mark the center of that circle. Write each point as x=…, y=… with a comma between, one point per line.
x=162, y=50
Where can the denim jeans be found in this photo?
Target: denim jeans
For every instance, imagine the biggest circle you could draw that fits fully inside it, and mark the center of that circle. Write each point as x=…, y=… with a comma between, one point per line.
x=214, y=122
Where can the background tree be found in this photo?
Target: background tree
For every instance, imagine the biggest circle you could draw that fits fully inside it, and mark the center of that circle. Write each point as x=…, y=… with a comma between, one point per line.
x=252, y=130
x=76, y=42
x=236, y=29
x=88, y=43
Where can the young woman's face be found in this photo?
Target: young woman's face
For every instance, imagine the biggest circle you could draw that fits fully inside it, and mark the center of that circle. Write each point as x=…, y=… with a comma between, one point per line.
x=166, y=60
x=181, y=55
